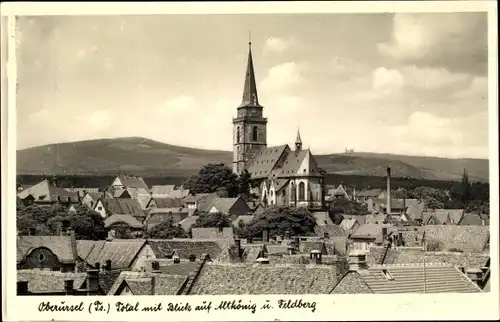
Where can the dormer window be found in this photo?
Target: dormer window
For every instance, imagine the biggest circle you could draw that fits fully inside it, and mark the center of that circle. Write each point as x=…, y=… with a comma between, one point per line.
x=387, y=275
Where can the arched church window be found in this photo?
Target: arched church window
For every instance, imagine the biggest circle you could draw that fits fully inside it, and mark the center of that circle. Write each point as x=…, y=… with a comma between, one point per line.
x=238, y=134
x=293, y=192
x=302, y=191
x=255, y=133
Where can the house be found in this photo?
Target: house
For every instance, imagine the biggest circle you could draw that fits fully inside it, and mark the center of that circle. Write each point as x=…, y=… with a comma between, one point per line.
x=108, y=207
x=281, y=176
x=322, y=218
x=127, y=224
x=46, y=193
x=232, y=207
x=456, y=238
x=442, y=216
x=81, y=192
x=474, y=220
x=154, y=283
x=120, y=254
x=42, y=282
x=123, y=181
x=187, y=248
x=162, y=191
x=166, y=202
x=336, y=193
x=135, y=188
x=364, y=195
x=179, y=193
x=91, y=198
x=395, y=279
x=413, y=214
x=212, y=233
x=361, y=219
x=55, y=253
x=329, y=231
x=349, y=225
x=261, y=277
x=201, y=201
x=367, y=235
x=160, y=215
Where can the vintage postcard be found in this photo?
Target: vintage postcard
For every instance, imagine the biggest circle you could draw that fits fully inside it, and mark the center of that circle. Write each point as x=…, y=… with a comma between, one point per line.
x=249, y=161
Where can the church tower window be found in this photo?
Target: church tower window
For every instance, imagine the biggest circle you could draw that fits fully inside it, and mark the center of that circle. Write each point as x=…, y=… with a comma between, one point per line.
x=302, y=191
x=255, y=134
x=238, y=135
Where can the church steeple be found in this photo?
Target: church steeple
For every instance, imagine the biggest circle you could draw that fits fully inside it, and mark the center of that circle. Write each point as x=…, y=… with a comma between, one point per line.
x=298, y=141
x=250, y=97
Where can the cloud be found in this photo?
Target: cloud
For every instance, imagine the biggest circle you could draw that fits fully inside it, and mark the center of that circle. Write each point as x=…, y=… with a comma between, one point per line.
x=456, y=41
x=282, y=78
x=435, y=78
x=277, y=44
x=387, y=79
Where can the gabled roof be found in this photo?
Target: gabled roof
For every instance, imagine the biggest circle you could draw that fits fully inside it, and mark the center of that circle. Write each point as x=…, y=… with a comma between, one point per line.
x=166, y=202
x=130, y=181
x=369, y=231
x=474, y=220
x=348, y=224
x=395, y=279
x=122, y=207
x=187, y=223
x=179, y=193
x=361, y=219
x=95, y=195
x=47, y=192
x=85, y=247
x=128, y=220
x=322, y=218
x=143, y=283
x=225, y=205
x=168, y=266
x=121, y=252
x=42, y=281
x=465, y=238
x=59, y=245
x=255, y=279
x=162, y=191
x=265, y=160
x=186, y=247
x=444, y=216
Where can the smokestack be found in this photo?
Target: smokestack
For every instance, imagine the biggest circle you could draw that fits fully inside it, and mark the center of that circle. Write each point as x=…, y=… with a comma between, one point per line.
x=388, y=205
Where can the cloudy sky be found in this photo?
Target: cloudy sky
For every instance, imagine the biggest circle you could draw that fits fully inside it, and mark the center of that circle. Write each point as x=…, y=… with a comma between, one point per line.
x=393, y=83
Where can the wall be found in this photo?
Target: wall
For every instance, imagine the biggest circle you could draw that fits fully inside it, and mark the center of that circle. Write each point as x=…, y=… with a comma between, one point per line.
x=50, y=260
x=144, y=254
x=100, y=210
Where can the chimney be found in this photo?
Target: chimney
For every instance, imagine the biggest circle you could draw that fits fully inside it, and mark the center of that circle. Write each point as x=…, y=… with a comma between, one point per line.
x=93, y=281
x=65, y=226
x=74, y=249
x=384, y=234
x=176, y=259
x=287, y=235
x=388, y=205
x=68, y=287
x=111, y=235
x=155, y=267
x=22, y=288
x=356, y=261
x=265, y=236
x=98, y=266
x=483, y=221
x=192, y=258
x=297, y=242
x=291, y=250
x=316, y=256
x=250, y=240
x=32, y=231
x=108, y=265
x=237, y=242
x=400, y=239
x=153, y=285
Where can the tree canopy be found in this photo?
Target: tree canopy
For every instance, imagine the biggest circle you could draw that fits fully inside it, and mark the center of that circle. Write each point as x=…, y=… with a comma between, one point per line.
x=277, y=220
x=47, y=220
x=167, y=230
x=212, y=220
x=342, y=206
x=221, y=179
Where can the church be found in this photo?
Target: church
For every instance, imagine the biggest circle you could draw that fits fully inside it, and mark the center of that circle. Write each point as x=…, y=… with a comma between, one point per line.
x=282, y=175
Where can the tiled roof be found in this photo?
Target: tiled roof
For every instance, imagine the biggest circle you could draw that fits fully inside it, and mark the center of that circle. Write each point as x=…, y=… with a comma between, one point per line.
x=186, y=247
x=368, y=231
x=223, y=205
x=265, y=160
x=125, y=219
x=133, y=181
x=414, y=210
x=167, y=202
x=59, y=245
x=42, y=281
x=254, y=279
x=212, y=233
x=293, y=161
x=361, y=219
x=142, y=283
x=167, y=266
x=438, y=278
x=305, y=247
x=322, y=218
x=474, y=220
x=179, y=193
x=187, y=223
x=123, y=207
x=85, y=247
x=332, y=230
x=465, y=238
x=444, y=216
x=121, y=252
x=245, y=218
x=173, y=210
x=347, y=224
x=107, y=279
x=95, y=195
x=376, y=219
x=162, y=191
x=46, y=192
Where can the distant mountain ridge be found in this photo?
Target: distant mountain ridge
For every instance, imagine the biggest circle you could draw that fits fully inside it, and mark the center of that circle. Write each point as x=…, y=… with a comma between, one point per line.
x=146, y=157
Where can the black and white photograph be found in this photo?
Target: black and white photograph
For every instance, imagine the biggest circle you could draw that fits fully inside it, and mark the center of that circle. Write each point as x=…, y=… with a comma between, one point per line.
x=251, y=154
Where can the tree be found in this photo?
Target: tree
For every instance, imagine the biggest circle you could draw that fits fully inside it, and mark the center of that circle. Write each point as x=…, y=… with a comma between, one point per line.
x=47, y=220
x=167, y=230
x=465, y=187
x=212, y=178
x=213, y=220
x=342, y=206
x=244, y=186
x=277, y=220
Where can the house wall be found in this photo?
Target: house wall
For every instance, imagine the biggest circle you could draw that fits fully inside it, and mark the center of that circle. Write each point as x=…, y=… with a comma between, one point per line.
x=88, y=201
x=49, y=261
x=361, y=244
x=144, y=254
x=117, y=183
x=99, y=207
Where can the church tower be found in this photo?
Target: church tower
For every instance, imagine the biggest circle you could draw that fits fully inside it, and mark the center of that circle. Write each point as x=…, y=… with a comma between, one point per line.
x=249, y=126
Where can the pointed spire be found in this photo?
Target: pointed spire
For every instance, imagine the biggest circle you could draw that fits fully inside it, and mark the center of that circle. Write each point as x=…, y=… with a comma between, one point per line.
x=250, y=97
x=298, y=141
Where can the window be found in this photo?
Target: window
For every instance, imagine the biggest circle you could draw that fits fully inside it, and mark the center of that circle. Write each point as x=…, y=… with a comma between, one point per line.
x=238, y=134
x=99, y=208
x=255, y=133
x=304, y=170
x=294, y=192
x=302, y=191
x=41, y=258
x=271, y=193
